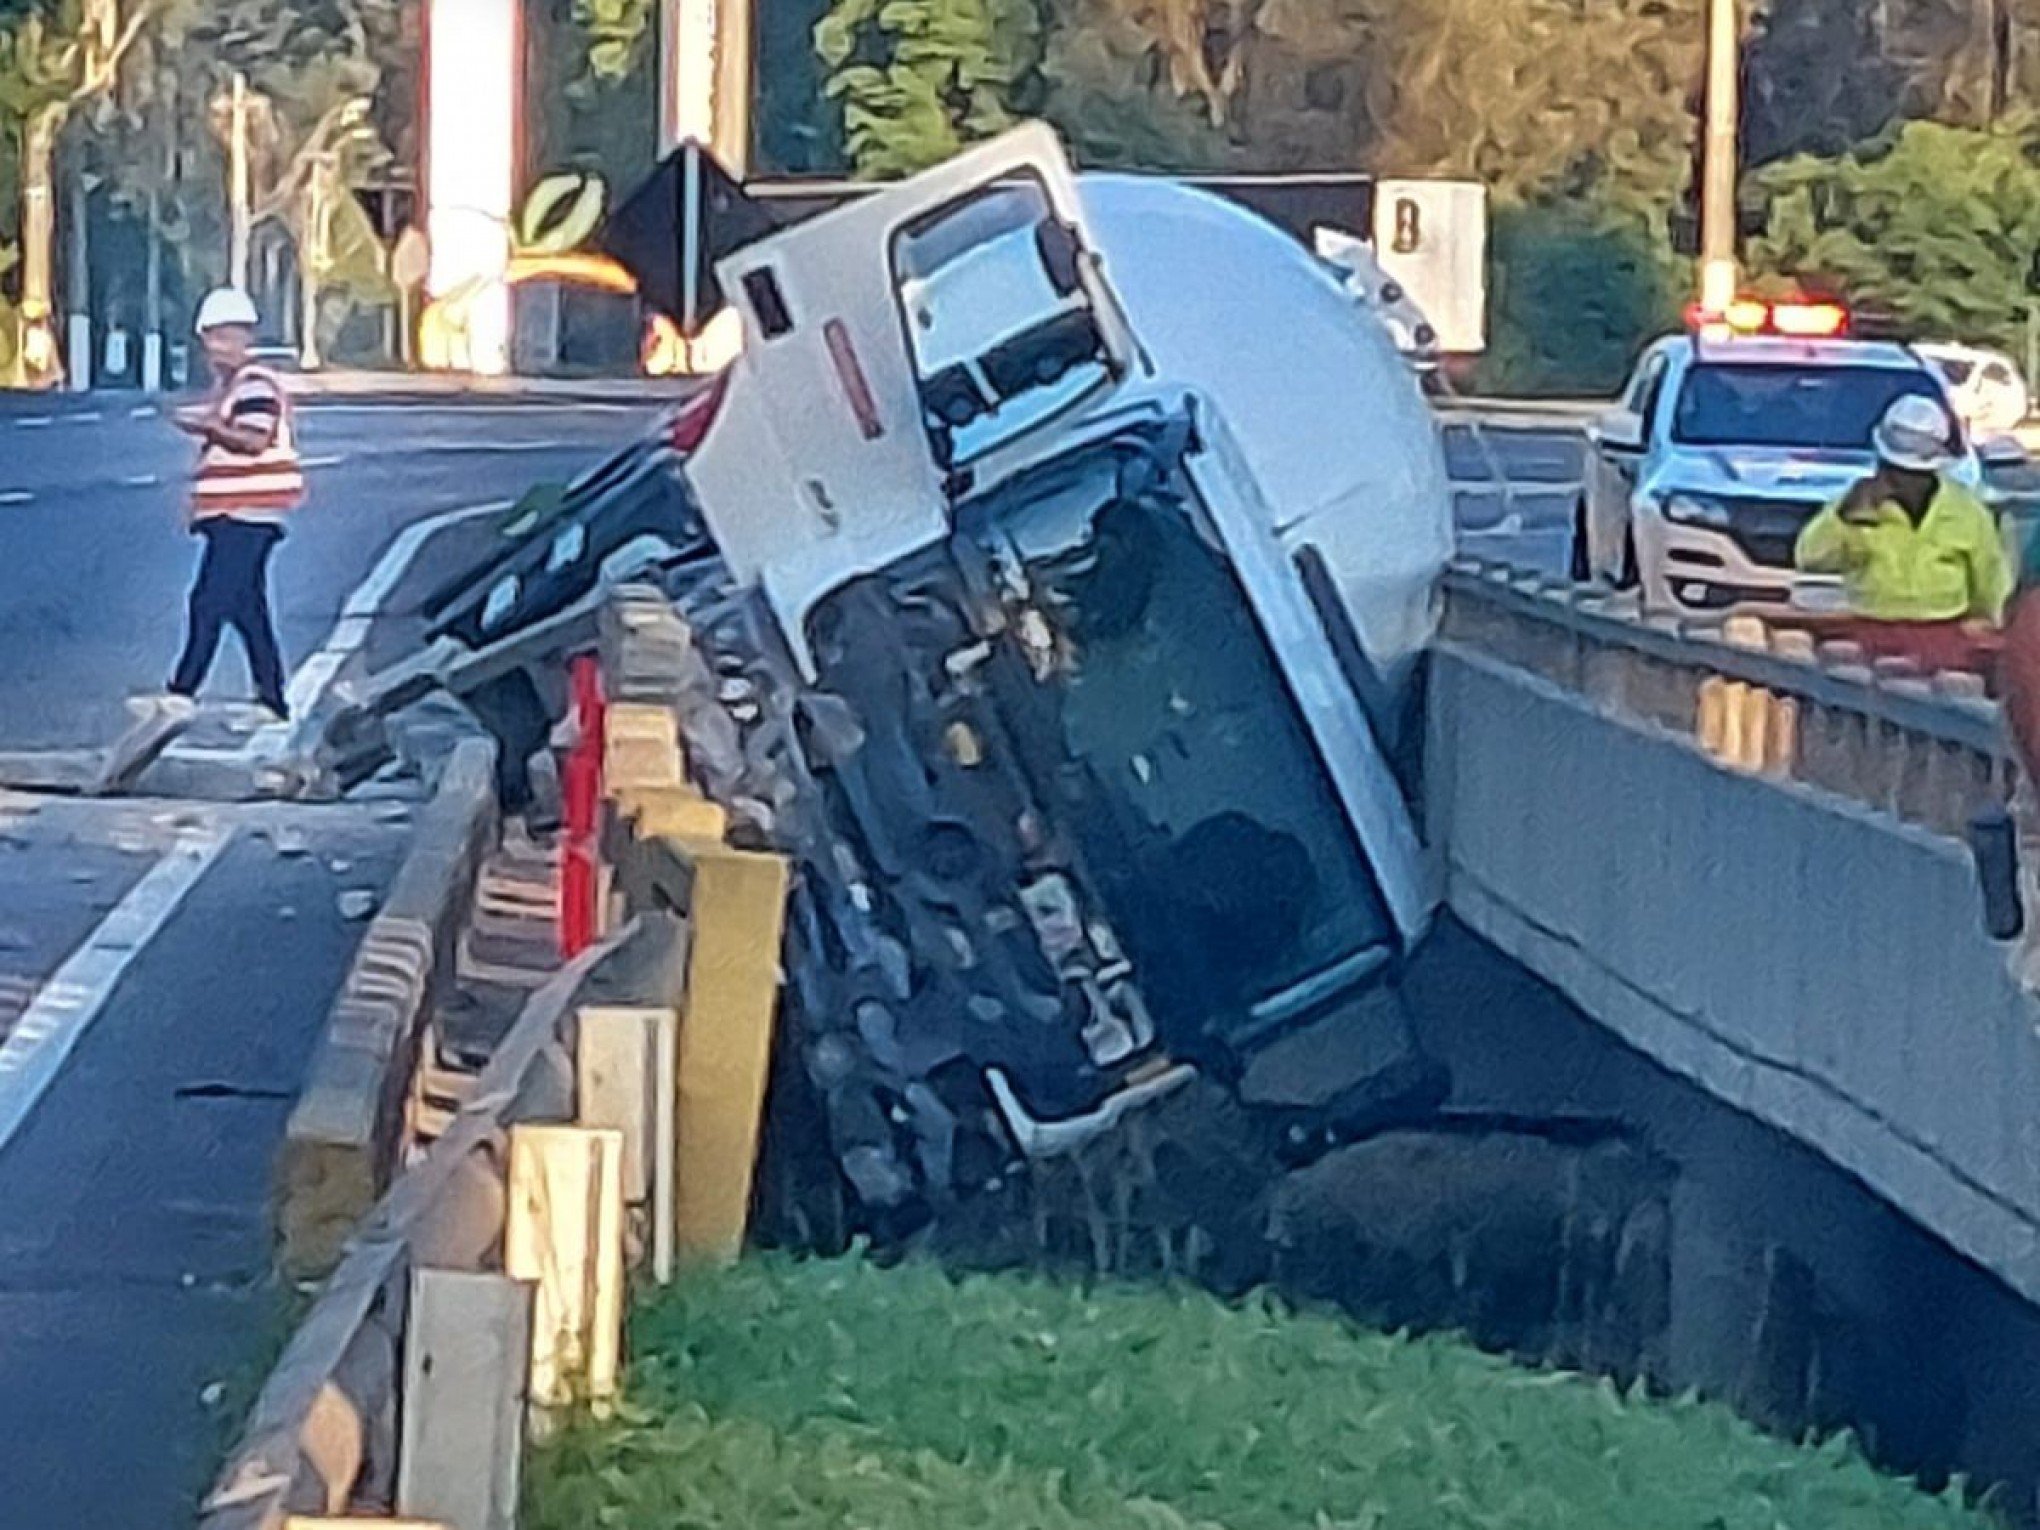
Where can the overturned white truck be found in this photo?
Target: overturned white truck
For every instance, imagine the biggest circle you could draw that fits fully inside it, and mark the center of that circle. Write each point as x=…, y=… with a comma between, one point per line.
x=1064, y=549
x=1101, y=529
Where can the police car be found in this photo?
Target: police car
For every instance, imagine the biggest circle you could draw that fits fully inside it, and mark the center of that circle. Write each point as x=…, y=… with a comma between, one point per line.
x=1728, y=439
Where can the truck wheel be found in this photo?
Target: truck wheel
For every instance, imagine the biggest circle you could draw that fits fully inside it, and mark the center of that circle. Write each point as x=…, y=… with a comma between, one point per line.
x=1630, y=575
x=1580, y=562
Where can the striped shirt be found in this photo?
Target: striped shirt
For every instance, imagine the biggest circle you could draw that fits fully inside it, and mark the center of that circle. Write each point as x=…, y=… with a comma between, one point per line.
x=264, y=485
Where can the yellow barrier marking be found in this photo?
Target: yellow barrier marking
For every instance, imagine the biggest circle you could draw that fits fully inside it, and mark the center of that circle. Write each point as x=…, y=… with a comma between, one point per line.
x=733, y=975
x=640, y=746
x=673, y=812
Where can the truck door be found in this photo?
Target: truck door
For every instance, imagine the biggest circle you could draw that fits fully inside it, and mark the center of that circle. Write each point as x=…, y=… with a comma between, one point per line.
x=896, y=349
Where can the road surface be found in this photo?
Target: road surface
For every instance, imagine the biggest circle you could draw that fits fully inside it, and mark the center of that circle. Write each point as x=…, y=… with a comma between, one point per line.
x=165, y=966
x=95, y=562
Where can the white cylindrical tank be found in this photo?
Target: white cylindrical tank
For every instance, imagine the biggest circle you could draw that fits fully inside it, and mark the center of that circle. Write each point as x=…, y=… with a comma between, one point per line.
x=1324, y=407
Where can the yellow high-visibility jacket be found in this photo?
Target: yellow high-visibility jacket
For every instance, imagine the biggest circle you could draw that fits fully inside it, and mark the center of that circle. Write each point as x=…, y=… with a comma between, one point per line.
x=1951, y=566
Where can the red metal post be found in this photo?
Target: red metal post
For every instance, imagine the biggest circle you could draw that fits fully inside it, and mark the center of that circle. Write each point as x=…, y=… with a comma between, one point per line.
x=581, y=810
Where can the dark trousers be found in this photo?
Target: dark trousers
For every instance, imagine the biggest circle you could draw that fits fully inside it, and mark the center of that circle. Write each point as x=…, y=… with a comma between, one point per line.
x=232, y=590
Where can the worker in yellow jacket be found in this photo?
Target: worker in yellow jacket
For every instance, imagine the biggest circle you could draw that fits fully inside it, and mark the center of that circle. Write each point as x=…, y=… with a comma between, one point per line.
x=1921, y=557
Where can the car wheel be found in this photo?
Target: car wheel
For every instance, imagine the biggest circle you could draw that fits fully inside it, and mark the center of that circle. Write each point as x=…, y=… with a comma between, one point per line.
x=1627, y=579
x=1580, y=561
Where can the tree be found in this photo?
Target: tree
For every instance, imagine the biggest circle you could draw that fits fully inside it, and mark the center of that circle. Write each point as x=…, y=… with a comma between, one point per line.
x=54, y=58
x=1578, y=287
x=1938, y=226
x=919, y=79
x=1110, y=88
x=617, y=32
x=601, y=116
x=797, y=129
x=1817, y=79
x=320, y=122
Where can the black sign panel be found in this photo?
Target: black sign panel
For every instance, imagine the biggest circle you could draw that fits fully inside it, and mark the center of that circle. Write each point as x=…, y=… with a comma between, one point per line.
x=673, y=229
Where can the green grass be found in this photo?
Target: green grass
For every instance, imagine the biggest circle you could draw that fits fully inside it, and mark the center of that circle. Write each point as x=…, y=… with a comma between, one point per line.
x=787, y=1394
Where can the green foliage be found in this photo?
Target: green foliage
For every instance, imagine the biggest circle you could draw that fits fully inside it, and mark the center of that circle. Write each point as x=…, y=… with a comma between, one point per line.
x=797, y=128
x=1108, y=89
x=803, y=1394
x=617, y=33
x=919, y=79
x=600, y=118
x=1579, y=287
x=1938, y=226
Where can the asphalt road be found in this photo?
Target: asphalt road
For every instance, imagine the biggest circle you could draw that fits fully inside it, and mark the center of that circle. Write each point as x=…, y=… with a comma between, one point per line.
x=95, y=561
x=165, y=966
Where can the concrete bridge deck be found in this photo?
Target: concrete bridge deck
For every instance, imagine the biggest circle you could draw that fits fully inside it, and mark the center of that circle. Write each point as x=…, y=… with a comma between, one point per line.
x=1747, y=860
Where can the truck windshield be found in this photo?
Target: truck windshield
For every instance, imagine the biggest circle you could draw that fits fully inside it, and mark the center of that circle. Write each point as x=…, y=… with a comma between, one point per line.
x=1205, y=804
x=1832, y=408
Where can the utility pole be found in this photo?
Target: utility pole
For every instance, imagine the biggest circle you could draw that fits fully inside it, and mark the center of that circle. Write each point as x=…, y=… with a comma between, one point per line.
x=733, y=84
x=1718, y=219
x=164, y=106
x=705, y=78
x=238, y=196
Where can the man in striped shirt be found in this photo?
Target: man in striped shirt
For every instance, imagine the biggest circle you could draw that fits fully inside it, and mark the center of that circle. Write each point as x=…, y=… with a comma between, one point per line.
x=249, y=479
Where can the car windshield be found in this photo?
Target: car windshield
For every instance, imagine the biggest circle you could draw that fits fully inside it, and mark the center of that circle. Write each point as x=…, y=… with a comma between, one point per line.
x=1954, y=368
x=1756, y=404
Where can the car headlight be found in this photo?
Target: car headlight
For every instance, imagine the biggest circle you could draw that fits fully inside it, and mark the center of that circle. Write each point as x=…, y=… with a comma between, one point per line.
x=1692, y=510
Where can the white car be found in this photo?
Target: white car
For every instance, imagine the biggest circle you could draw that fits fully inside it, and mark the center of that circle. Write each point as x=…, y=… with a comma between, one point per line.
x=1988, y=391
x=1721, y=449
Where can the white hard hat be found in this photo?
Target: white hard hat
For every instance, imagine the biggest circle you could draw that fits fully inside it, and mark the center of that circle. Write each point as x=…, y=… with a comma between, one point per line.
x=1914, y=434
x=224, y=306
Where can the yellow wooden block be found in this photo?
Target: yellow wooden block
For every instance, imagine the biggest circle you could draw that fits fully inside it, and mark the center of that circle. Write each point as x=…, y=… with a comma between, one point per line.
x=677, y=812
x=733, y=973
x=640, y=746
x=564, y=1230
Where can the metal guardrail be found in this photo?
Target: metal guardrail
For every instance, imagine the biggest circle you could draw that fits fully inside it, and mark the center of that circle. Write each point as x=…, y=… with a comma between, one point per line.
x=321, y=1437
x=1928, y=749
x=701, y=940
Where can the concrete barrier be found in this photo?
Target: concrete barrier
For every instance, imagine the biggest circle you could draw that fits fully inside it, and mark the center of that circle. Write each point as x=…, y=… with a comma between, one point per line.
x=1806, y=947
x=1929, y=750
x=342, y=1143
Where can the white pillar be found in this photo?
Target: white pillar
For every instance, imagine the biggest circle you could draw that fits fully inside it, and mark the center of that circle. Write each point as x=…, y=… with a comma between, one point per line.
x=473, y=64
x=78, y=352
x=687, y=72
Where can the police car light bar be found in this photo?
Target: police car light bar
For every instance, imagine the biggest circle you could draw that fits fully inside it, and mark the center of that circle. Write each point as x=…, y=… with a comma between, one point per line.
x=1751, y=316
